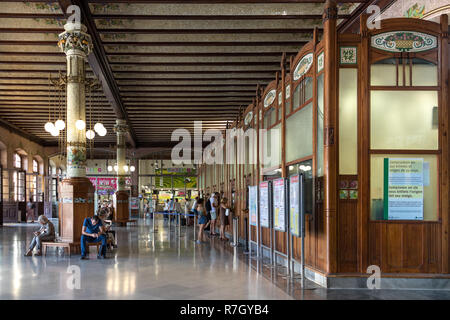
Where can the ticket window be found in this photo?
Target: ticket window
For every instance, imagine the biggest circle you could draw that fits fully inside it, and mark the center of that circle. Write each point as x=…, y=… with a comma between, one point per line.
x=404, y=181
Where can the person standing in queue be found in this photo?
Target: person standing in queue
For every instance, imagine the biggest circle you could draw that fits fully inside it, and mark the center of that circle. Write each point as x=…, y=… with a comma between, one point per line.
x=202, y=221
x=207, y=206
x=166, y=209
x=224, y=217
x=214, y=208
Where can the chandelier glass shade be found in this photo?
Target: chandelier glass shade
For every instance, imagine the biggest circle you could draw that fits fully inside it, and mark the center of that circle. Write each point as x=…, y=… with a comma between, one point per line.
x=49, y=126
x=80, y=124
x=60, y=124
x=90, y=134
x=54, y=132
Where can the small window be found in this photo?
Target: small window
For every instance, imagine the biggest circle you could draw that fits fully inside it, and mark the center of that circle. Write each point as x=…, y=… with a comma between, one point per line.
x=35, y=166
x=403, y=72
x=303, y=92
x=17, y=161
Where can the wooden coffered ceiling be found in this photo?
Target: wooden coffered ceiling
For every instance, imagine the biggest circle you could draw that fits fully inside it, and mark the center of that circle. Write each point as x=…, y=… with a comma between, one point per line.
x=162, y=64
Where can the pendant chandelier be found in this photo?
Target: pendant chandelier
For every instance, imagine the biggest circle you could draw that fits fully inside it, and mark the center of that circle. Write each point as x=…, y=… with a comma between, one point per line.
x=54, y=129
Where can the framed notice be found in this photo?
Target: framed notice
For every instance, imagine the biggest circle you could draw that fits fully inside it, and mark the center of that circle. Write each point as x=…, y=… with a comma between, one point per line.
x=403, y=188
x=294, y=205
x=253, y=205
x=264, y=209
x=134, y=203
x=279, y=205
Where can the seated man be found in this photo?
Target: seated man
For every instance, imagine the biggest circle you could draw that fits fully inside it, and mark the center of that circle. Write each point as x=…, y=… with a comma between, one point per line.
x=93, y=232
x=110, y=234
x=45, y=233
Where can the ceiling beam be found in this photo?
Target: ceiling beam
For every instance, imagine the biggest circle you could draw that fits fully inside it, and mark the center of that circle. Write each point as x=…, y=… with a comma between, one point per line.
x=15, y=129
x=99, y=63
x=214, y=1
x=209, y=17
x=167, y=31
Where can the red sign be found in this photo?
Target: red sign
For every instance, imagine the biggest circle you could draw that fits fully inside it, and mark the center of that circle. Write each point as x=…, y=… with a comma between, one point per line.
x=107, y=183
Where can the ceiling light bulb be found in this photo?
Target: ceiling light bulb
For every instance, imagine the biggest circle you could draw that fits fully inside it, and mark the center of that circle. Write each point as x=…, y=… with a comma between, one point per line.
x=49, y=126
x=98, y=127
x=54, y=132
x=60, y=125
x=115, y=168
x=90, y=134
x=80, y=124
x=110, y=168
x=125, y=167
x=102, y=132
x=132, y=168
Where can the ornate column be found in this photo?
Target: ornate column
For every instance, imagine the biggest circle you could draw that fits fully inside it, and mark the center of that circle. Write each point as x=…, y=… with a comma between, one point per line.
x=122, y=213
x=330, y=126
x=76, y=191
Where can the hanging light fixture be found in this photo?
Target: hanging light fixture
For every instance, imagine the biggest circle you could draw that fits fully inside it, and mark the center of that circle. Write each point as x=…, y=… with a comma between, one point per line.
x=90, y=134
x=132, y=168
x=101, y=132
x=60, y=125
x=54, y=132
x=98, y=127
x=110, y=168
x=80, y=124
x=116, y=168
x=125, y=167
x=49, y=126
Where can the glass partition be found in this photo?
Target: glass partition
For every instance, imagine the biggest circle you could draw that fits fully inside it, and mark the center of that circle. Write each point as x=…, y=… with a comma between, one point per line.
x=299, y=131
x=320, y=102
x=403, y=72
x=404, y=119
x=348, y=121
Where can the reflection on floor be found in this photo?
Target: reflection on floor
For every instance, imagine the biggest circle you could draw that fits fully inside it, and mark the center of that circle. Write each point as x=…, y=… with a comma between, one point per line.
x=157, y=265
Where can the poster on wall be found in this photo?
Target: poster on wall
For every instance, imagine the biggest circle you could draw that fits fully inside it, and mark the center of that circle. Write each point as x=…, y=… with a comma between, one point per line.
x=279, y=204
x=403, y=188
x=264, y=204
x=253, y=205
x=294, y=205
x=134, y=203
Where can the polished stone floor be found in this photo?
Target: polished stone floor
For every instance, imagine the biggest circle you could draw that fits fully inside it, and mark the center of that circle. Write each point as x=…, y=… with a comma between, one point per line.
x=157, y=265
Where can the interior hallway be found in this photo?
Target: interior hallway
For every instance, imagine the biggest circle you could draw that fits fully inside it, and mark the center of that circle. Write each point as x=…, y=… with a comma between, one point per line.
x=159, y=265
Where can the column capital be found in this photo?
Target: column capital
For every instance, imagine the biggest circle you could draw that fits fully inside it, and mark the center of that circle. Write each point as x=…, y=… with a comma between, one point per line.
x=74, y=40
x=330, y=11
x=121, y=126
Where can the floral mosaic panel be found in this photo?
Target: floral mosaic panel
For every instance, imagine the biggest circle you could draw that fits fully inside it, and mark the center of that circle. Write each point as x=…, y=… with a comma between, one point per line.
x=348, y=55
x=404, y=41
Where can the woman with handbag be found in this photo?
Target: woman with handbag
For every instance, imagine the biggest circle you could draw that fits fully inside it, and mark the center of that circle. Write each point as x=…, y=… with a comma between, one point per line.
x=224, y=217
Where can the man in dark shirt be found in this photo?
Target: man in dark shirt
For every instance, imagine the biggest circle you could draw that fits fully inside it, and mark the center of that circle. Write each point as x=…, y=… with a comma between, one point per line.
x=93, y=232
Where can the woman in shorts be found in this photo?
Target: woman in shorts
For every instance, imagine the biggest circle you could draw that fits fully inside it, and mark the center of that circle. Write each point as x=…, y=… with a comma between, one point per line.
x=202, y=221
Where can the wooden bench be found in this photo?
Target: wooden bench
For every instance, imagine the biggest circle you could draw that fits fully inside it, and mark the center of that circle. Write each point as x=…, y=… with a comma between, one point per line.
x=61, y=244
x=58, y=244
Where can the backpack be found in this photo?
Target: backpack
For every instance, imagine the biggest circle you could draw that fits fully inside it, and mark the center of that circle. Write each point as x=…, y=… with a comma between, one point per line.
x=208, y=205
